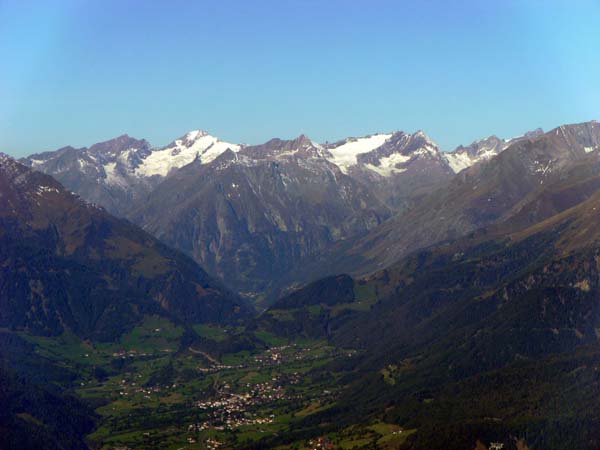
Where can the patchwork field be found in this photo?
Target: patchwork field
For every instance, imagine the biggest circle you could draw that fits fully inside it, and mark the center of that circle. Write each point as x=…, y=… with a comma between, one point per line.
x=151, y=390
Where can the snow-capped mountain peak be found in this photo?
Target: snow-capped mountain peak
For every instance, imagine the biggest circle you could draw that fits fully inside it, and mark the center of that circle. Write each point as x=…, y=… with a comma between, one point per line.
x=194, y=145
x=383, y=154
x=194, y=134
x=345, y=153
x=422, y=135
x=392, y=164
x=117, y=172
x=483, y=150
x=480, y=150
x=401, y=151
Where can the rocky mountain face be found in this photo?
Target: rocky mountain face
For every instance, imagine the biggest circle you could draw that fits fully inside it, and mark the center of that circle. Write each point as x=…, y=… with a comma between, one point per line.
x=101, y=174
x=483, y=150
x=119, y=173
x=483, y=194
x=251, y=216
x=399, y=167
x=68, y=265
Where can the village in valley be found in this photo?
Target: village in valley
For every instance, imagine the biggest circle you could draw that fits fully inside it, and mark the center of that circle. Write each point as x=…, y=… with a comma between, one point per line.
x=163, y=396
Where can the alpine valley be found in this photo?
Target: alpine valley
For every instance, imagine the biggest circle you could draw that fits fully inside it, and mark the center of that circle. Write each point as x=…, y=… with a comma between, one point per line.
x=371, y=293
x=250, y=215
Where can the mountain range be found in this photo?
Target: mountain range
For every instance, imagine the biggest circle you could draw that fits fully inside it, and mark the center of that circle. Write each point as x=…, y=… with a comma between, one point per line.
x=458, y=290
x=496, y=330
x=252, y=215
x=485, y=193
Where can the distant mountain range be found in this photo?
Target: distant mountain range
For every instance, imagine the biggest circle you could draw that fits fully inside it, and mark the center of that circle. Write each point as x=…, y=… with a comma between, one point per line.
x=119, y=172
x=488, y=192
x=251, y=215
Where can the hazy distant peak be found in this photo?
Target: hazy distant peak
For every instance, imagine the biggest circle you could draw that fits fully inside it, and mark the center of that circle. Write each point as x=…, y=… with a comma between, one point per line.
x=483, y=149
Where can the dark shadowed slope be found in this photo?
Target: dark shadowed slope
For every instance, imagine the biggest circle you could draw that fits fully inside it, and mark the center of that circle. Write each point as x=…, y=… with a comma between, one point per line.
x=34, y=418
x=68, y=265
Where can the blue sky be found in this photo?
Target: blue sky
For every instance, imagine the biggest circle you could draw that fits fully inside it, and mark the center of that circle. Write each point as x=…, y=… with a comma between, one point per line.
x=78, y=72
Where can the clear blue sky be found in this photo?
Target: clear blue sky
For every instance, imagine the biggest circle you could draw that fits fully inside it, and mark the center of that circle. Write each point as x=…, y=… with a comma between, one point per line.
x=77, y=72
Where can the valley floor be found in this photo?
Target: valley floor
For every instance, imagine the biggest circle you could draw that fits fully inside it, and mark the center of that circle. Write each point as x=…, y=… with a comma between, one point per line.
x=150, y=393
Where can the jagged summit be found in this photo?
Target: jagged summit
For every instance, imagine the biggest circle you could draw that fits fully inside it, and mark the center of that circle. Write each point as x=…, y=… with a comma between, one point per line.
x=344, y=153
x=299, y=147
x=480, y=150
x=383, y=154
x=194, y=134
x=483, y=149
x=194, y=145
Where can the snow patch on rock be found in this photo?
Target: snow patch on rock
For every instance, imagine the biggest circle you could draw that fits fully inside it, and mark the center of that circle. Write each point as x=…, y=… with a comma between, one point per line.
x=195, y=144
x=345, y=154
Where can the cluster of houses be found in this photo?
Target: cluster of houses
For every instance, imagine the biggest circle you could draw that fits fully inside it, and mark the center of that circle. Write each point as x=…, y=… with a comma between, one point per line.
x=218, y=367
x=128, y=354
x=212, y=444
x=272, y=356
x=320, y=443
x=145, y=391
x=280, y=355
x=230, y=410
x=128, y=387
